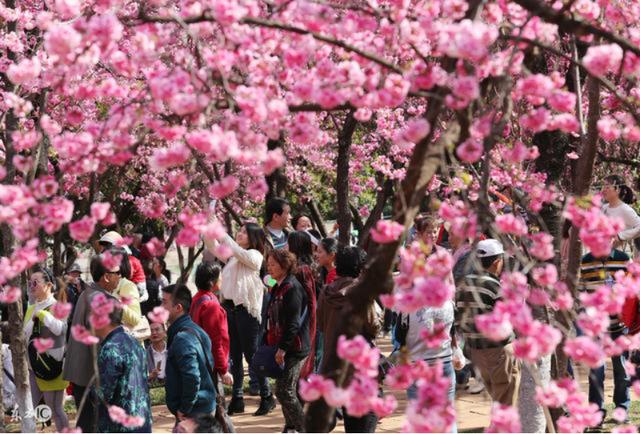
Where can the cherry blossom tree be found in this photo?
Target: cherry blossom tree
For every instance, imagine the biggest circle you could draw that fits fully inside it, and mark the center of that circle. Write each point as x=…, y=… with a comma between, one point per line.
x=116, y=112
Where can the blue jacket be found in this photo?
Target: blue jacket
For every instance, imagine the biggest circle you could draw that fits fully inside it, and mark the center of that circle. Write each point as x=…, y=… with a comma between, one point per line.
x=188, y=385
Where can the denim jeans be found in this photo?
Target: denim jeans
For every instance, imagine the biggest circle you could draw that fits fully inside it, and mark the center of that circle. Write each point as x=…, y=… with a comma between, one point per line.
x=244, y=337
x=448, y=371
x=621, y=380
x=254, y=383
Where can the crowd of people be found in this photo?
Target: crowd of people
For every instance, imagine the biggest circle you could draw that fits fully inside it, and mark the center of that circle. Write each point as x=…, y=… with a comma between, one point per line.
x=273, y=302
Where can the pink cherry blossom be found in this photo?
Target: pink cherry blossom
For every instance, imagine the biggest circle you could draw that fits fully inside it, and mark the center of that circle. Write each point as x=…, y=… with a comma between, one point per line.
x=223, y=251
x=82, y=335
x=10, y=294
x=111, y=261
x=470, y=150
x=386, y=231
x=224, y=187
x=313, y=387
x=434, y=338
x=81, y=230
x=603, y=59
x=61, y=310
x=399, y=377
x=24, y=71
x=511, y=224
x=158, y=315
x=118, y=415
x=155, y=247
x=504, y=419
x=545, y=276
x=494, y=326
x=584, y=350
x=99, y=210
x=358, y=352
x=552, y=395
x=43, y=344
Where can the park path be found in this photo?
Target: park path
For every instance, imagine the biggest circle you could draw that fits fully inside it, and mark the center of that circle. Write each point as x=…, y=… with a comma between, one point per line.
x=473, y=410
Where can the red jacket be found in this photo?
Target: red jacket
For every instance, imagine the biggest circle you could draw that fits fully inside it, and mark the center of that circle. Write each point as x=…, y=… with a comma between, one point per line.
x=137, y=273
x=212, y=317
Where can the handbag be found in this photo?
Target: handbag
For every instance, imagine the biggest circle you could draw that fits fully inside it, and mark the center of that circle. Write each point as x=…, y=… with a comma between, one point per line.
x=220, y=415
x=43, y=365
x=264, y=362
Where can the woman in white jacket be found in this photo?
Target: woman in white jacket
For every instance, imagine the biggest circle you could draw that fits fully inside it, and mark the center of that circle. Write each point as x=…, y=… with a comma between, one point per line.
x=242, y=291
x=618, y=196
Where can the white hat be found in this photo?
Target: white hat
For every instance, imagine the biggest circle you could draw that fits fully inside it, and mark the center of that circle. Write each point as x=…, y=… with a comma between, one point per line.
x=490, y=247
x=112, y=237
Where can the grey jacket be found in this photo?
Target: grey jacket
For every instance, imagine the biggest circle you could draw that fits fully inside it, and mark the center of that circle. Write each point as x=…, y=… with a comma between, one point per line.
x=79, y=360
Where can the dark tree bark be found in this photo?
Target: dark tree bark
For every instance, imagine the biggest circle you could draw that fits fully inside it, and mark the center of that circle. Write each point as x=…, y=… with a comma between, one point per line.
x=342, y=178
x=316, y=217
x=584, y=173
x=382, y=196
x=277, y=181
x=376, y=278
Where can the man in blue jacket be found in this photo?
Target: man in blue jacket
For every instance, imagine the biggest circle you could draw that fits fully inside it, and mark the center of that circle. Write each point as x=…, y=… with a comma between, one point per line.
x=190, y=391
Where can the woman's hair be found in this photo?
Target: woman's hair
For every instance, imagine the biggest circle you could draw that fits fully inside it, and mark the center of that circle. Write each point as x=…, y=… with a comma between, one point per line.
x=125, y=265
x=423, y=221
x=350, y=261
x=624, y=191
x=330, y=245
x=299, y=243
x=285, y=259
x=256, y=236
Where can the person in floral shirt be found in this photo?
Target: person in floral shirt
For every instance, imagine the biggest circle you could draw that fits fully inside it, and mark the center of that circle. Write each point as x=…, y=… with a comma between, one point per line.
x=123, y=380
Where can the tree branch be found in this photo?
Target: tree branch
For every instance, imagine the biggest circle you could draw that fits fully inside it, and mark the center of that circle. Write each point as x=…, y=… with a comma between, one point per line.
x=142, y=16
x=575, y=26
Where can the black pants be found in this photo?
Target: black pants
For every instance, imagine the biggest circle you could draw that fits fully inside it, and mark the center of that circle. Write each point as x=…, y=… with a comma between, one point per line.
x=244, y=336
x=87, y=419
x=366, y=423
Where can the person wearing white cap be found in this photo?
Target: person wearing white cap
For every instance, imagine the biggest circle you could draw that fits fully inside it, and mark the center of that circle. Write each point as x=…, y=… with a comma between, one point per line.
x=112, y=238
x=477, y=295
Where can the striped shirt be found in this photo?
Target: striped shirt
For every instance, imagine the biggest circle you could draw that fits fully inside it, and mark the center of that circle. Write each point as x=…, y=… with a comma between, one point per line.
x=595, y=272
x=477, y=295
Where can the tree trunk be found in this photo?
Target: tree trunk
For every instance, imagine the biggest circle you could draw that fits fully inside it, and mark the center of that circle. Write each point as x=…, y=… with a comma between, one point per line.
x=316, y=217
x=376, y=278
x=18, y=347
x=276, y=181
x=382, y=196
x=342, y=179
x=2, y=409
x=583, y=175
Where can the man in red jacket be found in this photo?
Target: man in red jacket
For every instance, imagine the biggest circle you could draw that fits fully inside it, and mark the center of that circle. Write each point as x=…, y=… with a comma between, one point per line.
x=208, y=314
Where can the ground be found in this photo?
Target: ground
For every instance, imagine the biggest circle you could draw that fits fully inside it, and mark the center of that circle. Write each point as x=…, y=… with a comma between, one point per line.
x=473, y=411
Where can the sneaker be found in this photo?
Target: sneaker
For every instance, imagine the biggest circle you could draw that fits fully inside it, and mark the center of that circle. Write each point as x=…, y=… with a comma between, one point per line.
x=235, y=406
x=266, y=406
x=478, y=387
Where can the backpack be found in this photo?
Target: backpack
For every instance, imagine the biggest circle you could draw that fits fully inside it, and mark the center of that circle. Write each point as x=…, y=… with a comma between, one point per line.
x=43, y=365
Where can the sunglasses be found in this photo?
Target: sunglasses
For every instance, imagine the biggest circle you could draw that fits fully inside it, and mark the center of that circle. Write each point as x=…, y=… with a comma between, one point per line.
x=114, y=273
x=35, y=283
